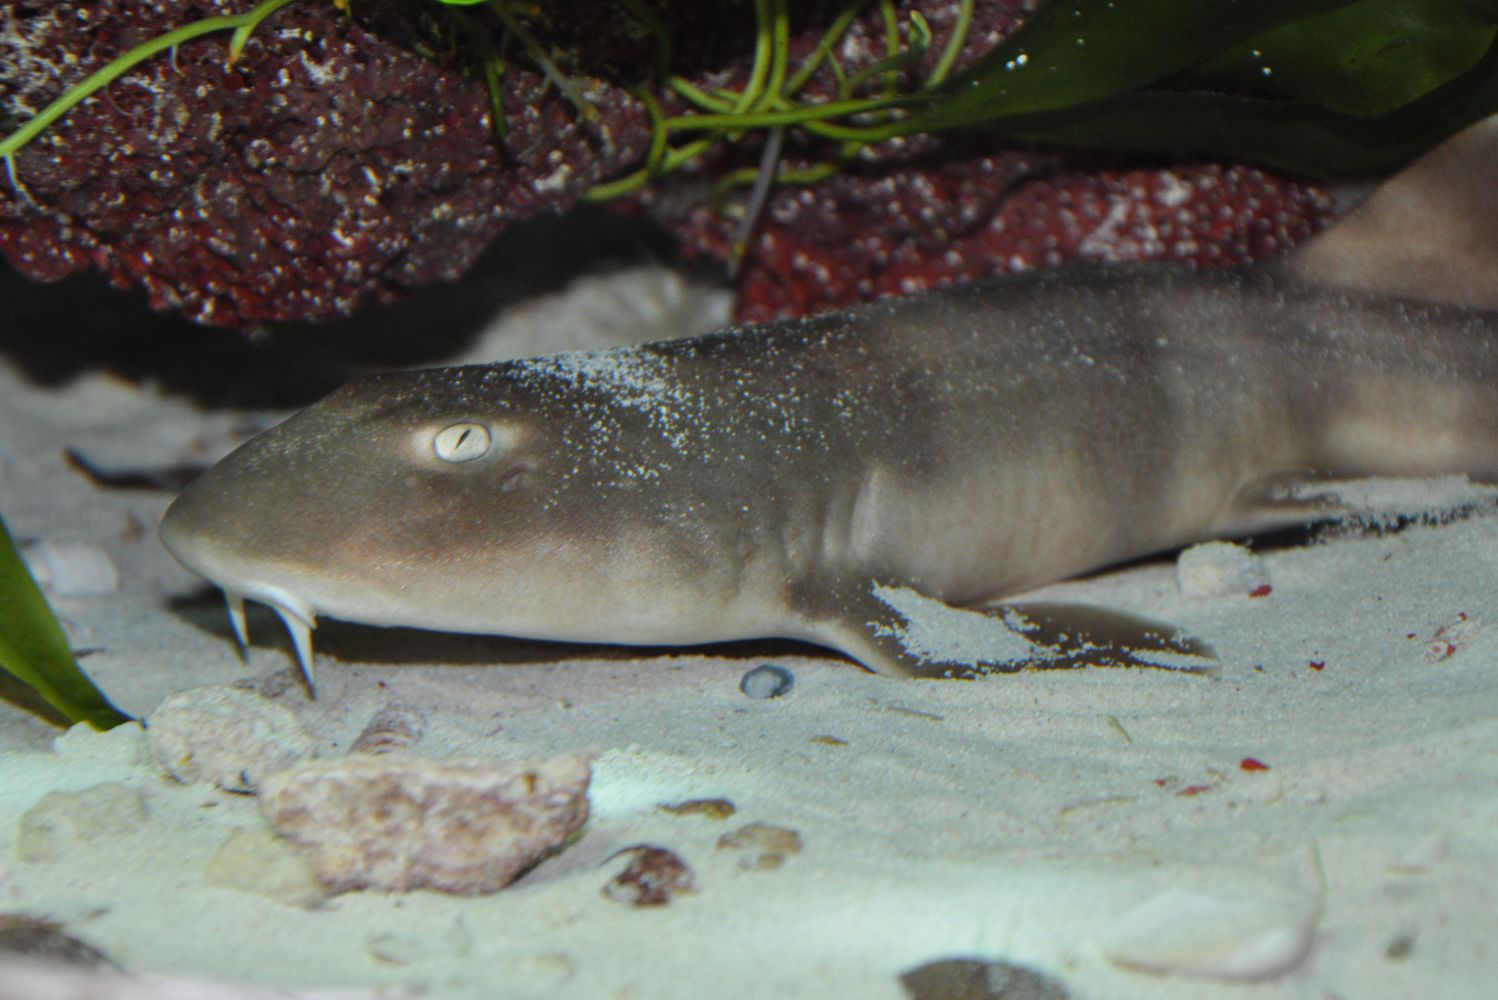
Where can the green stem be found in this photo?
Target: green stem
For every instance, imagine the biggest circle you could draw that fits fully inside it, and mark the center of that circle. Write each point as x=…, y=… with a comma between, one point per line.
x=823, y=50
x=494, y=69
x=763, y=42
x=252, y=21
x=891, y=44
x=954, y=45
x=630, y=183
x=747, y=175
x=696, y=95
x=767, y=100
x=780, y=49
x=904, y=57
x=658, y=135
x=797, y=115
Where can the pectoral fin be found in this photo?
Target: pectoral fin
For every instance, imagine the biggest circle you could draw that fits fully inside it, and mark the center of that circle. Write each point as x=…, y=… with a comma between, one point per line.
x=898, y=630
x=1281, y=501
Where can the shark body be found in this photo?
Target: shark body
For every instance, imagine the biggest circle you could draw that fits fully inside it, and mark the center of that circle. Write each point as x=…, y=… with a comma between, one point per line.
x=793, y=479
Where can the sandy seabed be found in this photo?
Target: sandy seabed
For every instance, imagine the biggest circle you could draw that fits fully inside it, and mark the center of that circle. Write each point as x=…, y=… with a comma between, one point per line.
x=1335, y=781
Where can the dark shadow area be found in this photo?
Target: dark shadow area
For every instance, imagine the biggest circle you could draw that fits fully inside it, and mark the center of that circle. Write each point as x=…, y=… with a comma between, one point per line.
x=54, y=332
x=1355, y=524
x=348, y=642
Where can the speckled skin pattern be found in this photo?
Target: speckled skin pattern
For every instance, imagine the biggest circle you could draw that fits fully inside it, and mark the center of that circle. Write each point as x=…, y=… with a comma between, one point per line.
x=775, y=481
x=334, y=164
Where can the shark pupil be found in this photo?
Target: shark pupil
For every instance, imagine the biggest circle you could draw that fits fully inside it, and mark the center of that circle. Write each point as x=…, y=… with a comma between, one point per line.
x=461, y=442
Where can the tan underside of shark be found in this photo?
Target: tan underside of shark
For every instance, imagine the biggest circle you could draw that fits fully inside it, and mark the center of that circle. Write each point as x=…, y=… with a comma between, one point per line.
x=813, y=478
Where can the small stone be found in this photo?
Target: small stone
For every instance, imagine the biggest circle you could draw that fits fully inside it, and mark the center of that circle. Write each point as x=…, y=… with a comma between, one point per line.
x=1217, y=569
x=33, y=937
x=653, y=877
x=711, y=808
x=1401, y=948
x=122, y=746
x=392, y=728
x=396, y=823
x=259, y=862
x=64, y=821
x=225, y=735
x=767, y=681
x=72, y=569
x=977, y=979
x=765, y=847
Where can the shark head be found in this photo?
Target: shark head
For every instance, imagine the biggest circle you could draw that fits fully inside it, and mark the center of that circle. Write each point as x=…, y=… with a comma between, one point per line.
x=512, y=499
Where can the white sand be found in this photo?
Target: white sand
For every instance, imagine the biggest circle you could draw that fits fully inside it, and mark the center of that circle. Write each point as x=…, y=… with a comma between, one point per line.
x=1016, y=817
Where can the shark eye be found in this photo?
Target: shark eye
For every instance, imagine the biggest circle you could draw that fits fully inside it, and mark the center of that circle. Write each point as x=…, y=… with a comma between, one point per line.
x=461, y=442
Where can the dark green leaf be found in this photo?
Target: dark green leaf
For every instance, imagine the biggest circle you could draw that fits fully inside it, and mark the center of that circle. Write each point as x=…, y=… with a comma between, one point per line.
x=1364, y=59
x=1082, y=50
x=1356, y=89
x=34, y=649
x=1287, y=135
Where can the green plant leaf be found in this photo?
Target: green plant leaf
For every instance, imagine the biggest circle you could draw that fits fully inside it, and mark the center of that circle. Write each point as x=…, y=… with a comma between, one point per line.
x=1364, y=59
x=1287, y=135
x=1072, y=52
x=34, y=649
x=1355, y=89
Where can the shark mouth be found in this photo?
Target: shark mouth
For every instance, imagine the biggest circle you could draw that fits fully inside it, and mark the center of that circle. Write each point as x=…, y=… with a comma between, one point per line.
x=296, y=614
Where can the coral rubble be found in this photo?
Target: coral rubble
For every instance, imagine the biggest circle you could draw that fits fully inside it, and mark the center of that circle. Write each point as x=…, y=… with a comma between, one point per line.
x=397, y=823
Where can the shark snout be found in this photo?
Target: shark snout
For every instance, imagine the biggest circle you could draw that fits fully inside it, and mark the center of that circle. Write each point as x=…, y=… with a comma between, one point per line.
x=236, y=570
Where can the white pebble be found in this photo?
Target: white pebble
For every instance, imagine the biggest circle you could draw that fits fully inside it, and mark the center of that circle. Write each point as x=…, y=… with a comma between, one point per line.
x=124, y=745
x=1209, y=936
x=72, y=569
x=225, y=735
x=1217, y=569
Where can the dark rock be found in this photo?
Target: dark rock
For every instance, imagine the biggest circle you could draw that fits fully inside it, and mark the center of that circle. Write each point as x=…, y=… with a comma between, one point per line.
x=977, y=979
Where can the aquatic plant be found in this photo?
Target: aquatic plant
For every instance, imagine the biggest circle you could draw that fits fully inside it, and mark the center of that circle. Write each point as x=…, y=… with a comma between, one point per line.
x=1324, y=87
x=1327, y=88
x=34, y=649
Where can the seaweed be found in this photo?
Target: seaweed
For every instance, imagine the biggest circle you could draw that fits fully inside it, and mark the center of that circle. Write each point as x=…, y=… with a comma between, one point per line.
x=34, y=649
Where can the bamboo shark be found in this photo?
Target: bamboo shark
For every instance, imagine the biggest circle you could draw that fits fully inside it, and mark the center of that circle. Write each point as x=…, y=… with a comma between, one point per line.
x=833, y=478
